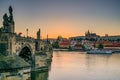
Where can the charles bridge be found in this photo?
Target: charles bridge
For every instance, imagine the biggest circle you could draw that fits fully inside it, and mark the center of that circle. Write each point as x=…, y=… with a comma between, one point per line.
x=25, y=47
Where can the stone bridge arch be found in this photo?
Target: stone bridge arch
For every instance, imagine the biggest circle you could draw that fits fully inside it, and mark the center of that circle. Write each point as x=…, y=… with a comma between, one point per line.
x=26, y=52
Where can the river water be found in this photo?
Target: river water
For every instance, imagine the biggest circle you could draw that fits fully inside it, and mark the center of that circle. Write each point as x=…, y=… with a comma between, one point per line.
x=82, y=66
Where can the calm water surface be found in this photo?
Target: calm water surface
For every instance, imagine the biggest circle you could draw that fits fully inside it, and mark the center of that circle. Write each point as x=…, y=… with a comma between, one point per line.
x=82, y=66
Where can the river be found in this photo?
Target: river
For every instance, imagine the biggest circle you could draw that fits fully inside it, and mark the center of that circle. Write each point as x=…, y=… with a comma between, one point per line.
x=81, y=66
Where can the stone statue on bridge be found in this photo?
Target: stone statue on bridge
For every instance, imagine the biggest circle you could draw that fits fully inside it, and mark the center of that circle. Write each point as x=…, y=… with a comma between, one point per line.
x=8, y=22
x=11, y=20
x=38, y=34
x=5, y=22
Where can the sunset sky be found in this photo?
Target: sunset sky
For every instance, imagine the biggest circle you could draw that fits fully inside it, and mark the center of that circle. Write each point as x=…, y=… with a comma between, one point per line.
x=64, y=17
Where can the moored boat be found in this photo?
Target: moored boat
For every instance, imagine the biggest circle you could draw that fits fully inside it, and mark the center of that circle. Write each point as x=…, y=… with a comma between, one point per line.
x=99, y=51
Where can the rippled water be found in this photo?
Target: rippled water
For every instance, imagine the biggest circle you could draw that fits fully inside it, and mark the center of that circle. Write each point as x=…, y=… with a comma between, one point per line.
x=82, y=66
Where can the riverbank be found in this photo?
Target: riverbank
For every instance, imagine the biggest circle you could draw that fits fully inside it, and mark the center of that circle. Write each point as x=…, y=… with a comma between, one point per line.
x=62, y=49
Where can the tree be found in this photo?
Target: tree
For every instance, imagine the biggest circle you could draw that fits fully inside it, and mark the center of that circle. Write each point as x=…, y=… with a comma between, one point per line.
x=70, y=48
x=100, y=46
x=55, y=44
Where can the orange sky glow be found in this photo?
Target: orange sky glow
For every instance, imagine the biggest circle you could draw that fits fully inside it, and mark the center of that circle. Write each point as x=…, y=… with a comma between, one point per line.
x=64, y=18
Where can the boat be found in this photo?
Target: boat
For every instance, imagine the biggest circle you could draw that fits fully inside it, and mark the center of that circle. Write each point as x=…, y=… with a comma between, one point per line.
x=99, y=51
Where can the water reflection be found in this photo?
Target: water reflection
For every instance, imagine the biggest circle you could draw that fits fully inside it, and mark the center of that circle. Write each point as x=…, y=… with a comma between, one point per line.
x=92, y=60
x=39, y=75
x=82, y=66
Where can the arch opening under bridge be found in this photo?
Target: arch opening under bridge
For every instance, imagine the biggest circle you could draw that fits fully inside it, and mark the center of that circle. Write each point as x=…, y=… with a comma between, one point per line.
x=26, y=54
